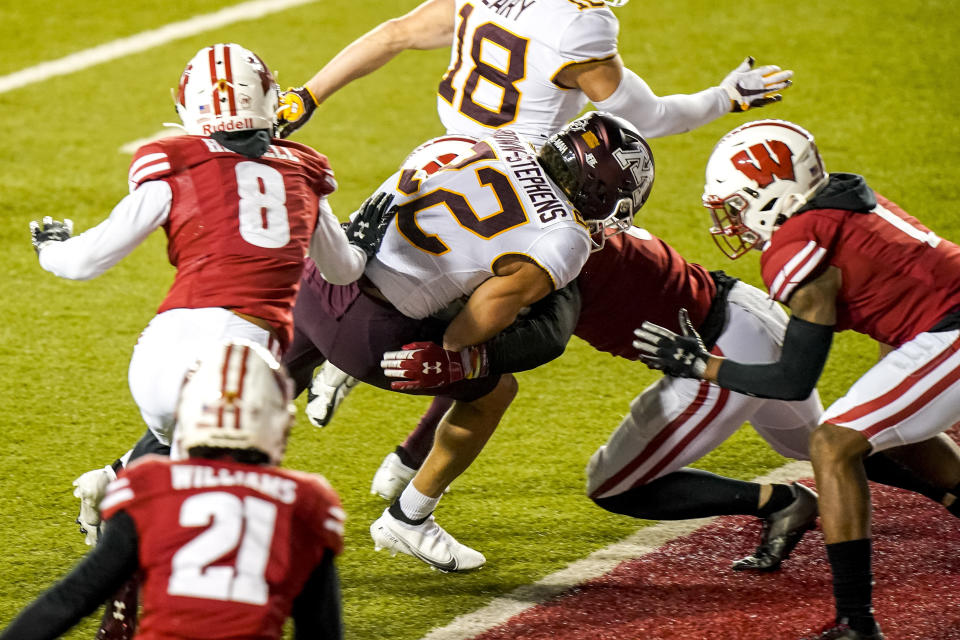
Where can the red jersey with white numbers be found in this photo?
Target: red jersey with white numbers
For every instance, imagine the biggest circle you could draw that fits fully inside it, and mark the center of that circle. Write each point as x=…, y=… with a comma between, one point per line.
x=898, y=278
x=225, y=547
x=238, y=228
x=637, y=277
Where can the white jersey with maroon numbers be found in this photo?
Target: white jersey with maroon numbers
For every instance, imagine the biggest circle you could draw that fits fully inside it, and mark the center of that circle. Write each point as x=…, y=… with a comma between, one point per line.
x=452, y=226
x=505, y=58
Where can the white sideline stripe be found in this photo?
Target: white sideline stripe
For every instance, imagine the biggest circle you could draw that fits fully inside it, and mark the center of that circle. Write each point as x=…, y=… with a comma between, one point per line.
x=598, y=563
x=131, y=147
x=143, y=41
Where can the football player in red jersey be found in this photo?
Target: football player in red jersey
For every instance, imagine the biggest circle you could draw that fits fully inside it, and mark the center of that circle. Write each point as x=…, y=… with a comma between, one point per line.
x=641, y=470
x=840, y=256
x=229, y=544
x=241, y=209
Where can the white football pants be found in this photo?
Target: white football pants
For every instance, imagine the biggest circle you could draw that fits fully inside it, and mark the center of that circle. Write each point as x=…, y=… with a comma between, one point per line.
x=169, y=346
x=676, y=421
x=911, y=395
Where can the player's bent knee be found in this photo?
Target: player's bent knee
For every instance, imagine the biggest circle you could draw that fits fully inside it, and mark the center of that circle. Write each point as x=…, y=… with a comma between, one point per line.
x=830, y=443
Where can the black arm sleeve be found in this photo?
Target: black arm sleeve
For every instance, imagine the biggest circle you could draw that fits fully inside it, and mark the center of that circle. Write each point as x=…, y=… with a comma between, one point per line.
x=317, y=611
x=794, y=376
x=87, y=586
x=539, y=336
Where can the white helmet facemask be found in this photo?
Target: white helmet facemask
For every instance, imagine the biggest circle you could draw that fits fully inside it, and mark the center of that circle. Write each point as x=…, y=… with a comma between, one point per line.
x=228, y=88
x=235, y=397
x=759, y=175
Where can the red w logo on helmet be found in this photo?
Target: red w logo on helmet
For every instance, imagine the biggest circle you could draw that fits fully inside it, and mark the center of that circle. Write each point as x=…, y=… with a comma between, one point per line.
x=763, y=167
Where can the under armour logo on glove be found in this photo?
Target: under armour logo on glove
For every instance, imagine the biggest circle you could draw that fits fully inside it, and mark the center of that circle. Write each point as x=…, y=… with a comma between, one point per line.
x=427, y=365
x=436, y=368
x=369, y=224
x=683, y=356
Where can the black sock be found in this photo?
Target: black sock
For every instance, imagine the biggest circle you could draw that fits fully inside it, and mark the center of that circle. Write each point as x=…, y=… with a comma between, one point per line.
x=885, y=470
x=853, y=583
x=782, y=496
x=684, y=494
x=405, y=457
x=398, y=513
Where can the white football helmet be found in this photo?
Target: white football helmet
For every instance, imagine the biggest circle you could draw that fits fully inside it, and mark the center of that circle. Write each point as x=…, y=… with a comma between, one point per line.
x=227, y=88
x=759, y=175
x=436, y=152
x=235, y=397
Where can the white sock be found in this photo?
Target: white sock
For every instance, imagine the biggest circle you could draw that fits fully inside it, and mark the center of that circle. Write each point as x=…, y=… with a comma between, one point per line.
x=415, y=505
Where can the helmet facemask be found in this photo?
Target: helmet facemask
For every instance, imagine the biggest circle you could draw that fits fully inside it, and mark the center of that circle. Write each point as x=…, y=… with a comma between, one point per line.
x=605, y=168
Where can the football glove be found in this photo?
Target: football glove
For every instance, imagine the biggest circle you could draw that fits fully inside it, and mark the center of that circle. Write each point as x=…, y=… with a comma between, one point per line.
x=50, y=230
x=328, y=389
x=370, y=223
x=426, y=365
x=296, y=107
x=749, y=87
x=90, y=488
x=683, y=356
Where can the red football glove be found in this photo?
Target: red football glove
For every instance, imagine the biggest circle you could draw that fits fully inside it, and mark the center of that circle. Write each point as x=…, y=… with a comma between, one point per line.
x=426, y=365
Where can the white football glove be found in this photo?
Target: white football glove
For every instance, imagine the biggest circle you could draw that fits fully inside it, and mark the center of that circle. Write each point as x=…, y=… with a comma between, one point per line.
x=330, y=386
x=90, y=488
x=751, y=88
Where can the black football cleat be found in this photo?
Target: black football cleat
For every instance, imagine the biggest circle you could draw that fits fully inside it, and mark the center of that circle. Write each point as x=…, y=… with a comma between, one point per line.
x=782, y=530
x=840, y=630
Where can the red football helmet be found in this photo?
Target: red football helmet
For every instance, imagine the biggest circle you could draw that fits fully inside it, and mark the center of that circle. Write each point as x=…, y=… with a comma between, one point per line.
x=604, y=166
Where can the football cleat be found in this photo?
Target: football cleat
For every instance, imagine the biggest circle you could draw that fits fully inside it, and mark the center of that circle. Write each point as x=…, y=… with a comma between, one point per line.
x=391, y=478
x=427, y=542
x=90, y=488
x=330, y=386
x=840, y=630
x=782, y=530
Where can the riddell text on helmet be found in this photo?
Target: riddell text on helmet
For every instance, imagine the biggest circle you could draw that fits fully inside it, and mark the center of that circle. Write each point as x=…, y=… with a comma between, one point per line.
x=229, y=125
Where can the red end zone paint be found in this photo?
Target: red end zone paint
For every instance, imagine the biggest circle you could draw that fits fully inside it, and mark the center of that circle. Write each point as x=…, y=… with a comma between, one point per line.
x=687, y=591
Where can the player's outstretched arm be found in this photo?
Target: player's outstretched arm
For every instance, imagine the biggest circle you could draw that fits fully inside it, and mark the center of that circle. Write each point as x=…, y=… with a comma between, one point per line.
x=92, y=252
x=87, y=586
x=612, y=87
x=429, y=26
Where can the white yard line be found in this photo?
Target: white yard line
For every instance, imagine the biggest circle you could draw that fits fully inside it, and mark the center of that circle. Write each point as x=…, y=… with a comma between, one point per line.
x=131, y=147
x=143, y=41
x=598, y=563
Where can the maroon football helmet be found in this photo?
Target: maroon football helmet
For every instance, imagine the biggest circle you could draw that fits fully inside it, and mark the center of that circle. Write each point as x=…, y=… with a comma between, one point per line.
x=604, y=166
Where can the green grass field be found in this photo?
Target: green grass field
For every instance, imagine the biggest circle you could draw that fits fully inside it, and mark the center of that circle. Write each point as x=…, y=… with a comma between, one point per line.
x=873, y=83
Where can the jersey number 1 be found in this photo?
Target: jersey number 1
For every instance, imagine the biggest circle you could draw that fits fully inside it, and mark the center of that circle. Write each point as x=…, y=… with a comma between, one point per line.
x=245, y=526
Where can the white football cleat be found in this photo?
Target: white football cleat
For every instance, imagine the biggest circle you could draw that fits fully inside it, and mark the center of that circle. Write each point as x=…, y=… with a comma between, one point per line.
x=330, y=386
x=391, y=478
x=90, y=488
x=427, y=542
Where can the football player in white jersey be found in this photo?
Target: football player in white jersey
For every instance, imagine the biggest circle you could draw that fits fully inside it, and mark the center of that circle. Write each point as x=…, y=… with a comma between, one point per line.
x=485, y=236
x=530, y=67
